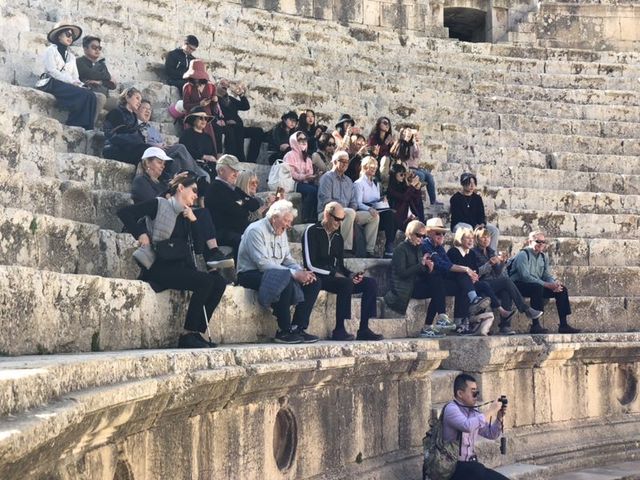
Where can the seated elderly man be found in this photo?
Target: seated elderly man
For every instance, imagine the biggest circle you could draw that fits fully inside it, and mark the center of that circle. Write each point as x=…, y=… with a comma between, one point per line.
x=529, y=270
x=93, y=72
x=265, y=264
x=322, y=248
x=230, y=207
x=457, y=280
x=182, y=159
x=335, y=186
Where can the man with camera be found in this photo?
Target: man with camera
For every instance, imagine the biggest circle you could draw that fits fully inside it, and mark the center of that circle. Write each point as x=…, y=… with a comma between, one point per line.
x=463, y=422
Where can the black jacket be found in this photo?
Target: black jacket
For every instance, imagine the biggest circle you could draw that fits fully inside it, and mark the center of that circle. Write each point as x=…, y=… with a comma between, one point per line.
x=177, y=63
x=469, y=260
x=467, y=209
x=143, y=188
x=322, y=253
x=87, y=70
x=406, y=264
x=230, y=107
x=122, y=134
x=229, y=208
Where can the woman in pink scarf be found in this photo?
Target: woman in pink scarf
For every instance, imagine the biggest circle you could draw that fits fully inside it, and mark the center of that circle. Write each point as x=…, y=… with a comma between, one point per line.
x=299, y=161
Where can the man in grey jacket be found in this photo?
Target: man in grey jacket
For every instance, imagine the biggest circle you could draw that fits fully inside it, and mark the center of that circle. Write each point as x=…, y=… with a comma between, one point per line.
x=529, y=270
x=335, y=186
x=264, y=246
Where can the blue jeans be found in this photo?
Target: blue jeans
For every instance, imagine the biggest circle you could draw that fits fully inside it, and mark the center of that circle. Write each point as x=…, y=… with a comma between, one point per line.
x=309, y=193
x=426, y=178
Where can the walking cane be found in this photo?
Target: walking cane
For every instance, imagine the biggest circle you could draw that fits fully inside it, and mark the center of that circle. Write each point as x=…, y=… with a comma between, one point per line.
x=206, y=321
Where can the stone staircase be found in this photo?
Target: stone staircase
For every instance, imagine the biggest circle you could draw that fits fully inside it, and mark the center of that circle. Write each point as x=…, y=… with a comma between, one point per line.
x=551, y=134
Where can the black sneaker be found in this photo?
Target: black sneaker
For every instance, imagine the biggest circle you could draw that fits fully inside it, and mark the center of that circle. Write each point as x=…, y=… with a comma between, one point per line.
x=367, y=334
x=568, y=329
x=506, y=330
x=307, y=337
x=479, y=305
x=536, y=328
x=194, y=340
x=216, y=260
x=288, y=337
x=341, y=336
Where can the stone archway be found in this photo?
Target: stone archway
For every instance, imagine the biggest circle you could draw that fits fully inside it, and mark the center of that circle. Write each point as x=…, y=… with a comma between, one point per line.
x=466, y=24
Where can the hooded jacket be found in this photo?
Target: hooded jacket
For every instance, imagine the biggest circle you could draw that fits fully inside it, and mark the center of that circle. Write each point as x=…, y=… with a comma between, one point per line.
x=298, y=160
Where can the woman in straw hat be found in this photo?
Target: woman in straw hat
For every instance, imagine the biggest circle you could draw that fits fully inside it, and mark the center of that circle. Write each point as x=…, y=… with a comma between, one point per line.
x=195, y=138
x=200, y=92
x=61, y=79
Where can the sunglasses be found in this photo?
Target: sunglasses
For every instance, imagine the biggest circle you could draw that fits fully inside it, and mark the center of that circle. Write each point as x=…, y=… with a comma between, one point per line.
x=439, y=234
x=384, y=122
x=541, y=242
x=476, y=394
x=337, y=219
x=331, y=144
x=68, y=34
x=96, y=47
x=420, y=235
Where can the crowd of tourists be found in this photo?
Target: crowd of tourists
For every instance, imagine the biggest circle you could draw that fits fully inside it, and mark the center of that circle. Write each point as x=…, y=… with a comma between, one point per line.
x=195, y=196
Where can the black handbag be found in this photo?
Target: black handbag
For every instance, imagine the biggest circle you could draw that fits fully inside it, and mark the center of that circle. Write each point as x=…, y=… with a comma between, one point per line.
x=173, y=249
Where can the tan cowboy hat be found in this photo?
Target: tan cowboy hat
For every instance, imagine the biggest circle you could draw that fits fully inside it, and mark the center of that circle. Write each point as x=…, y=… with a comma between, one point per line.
x=200, y=114
x=435, y=225
x=60, y=27
x=197, y=71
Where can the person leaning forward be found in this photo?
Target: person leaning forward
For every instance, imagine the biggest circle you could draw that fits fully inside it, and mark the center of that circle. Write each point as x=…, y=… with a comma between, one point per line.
x=323, y=254
x=265, y=264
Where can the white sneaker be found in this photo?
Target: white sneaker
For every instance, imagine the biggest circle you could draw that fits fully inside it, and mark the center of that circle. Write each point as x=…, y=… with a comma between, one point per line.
x=430, y=332
x=444, y=323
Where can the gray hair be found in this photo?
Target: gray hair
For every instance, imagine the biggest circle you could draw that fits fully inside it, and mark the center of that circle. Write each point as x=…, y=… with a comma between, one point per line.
x=338, y=154
x=366, y=161
x=281, y=208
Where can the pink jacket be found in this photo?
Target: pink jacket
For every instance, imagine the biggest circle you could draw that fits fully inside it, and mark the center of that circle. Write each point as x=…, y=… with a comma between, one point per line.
x=298, y=159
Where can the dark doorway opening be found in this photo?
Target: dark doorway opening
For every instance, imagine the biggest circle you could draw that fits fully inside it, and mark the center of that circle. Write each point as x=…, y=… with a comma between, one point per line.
x=466, y=24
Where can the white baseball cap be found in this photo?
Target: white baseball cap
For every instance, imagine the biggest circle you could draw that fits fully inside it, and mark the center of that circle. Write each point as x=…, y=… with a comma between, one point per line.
x=156, y=152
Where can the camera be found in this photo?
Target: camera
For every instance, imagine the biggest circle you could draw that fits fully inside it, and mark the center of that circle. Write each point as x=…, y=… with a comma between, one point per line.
x=503, y=400
x=503, y=441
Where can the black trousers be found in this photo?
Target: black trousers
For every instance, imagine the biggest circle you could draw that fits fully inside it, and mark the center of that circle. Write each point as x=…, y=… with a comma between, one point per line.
x=508, y=293
x=458, y=285
x=207, y=289
x=344, y=288
x=282, y=308
x=230, y=239
x=475, y=471
x=388, y=226
x=430, y=286
x=538, y=293
x=234, y=136
x=206, y=228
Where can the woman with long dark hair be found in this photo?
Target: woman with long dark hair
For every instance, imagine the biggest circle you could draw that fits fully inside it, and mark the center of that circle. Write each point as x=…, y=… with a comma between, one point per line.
x=404, y=195
x=307, y=125
x=166, y=254
x=60, y=77
x=381, y=138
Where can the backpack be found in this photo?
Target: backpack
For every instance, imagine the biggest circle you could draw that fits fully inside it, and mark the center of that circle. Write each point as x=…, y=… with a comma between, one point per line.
x=440, y=457
x=509, y=265
x=280, y=176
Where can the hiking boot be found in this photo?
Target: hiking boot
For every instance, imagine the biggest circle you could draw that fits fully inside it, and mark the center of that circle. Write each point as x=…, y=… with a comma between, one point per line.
x=194, y=340
x=533, y=314
x=537, y=329
x=430, y=332
x=368, y=334
x=216, y=260
x=568, y=329
x=444, y=323
x=479, y=305
x=342, y=336
x=307, y=337
x=288, y=337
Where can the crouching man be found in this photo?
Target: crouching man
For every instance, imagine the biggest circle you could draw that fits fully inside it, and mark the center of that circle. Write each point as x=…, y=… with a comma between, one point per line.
x=265, y=264
x=323, y=250
x=463, y=422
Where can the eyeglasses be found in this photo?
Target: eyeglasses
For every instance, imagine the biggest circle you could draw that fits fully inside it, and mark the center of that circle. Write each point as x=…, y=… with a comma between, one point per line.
x=541, y=242
x=68, y=33
x=337, y=219
x=96, y=47
x=344, y=162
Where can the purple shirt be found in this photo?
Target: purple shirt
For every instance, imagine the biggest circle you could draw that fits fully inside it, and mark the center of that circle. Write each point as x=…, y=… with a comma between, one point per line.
x=471, y=423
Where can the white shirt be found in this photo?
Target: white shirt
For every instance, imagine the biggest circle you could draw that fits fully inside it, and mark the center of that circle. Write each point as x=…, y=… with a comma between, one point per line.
x=57, y=68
